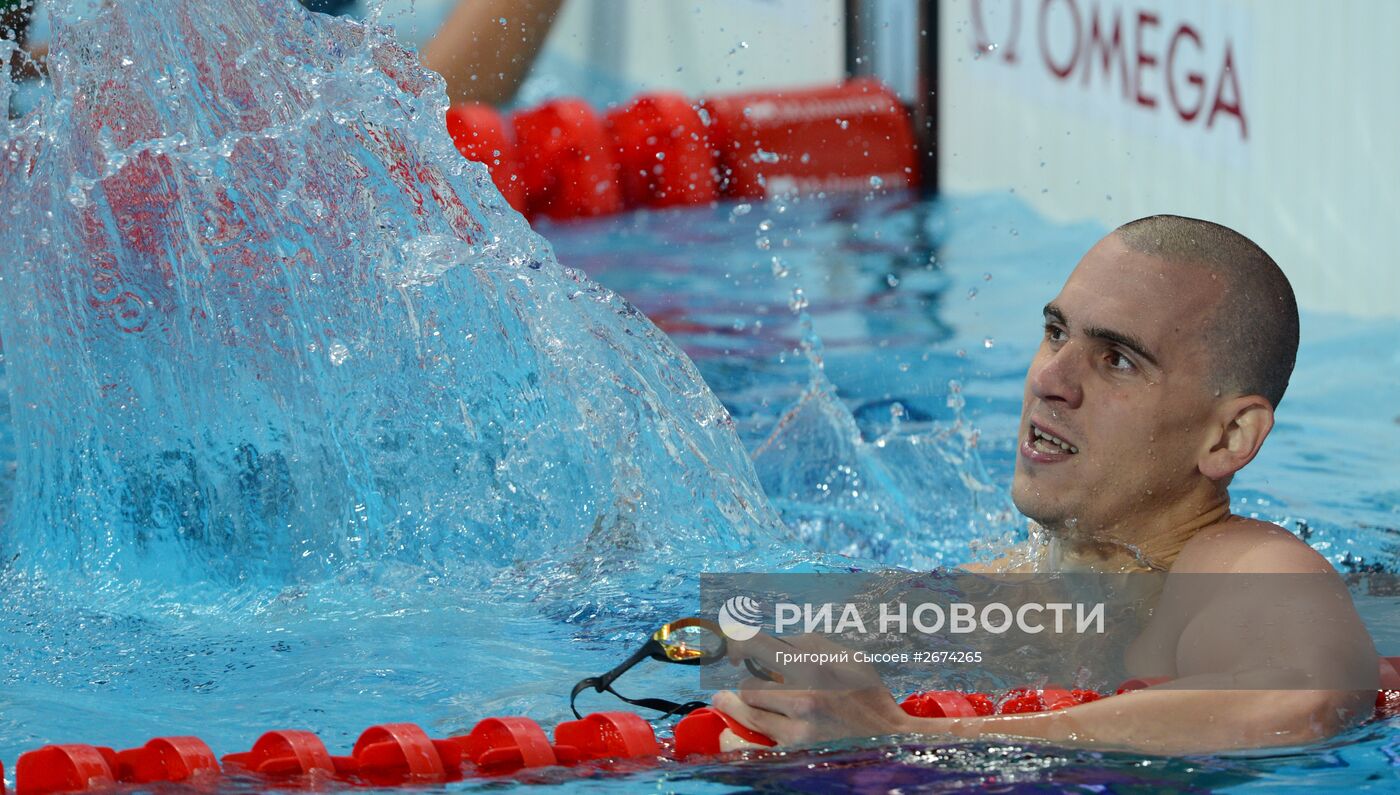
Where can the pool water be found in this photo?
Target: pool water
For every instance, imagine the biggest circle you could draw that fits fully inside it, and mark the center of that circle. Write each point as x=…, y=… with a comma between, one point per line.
x=869, y=352
x=922, y=316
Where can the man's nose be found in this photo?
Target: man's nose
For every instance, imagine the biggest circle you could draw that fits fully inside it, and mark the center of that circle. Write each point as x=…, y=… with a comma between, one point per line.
x=1057, y=376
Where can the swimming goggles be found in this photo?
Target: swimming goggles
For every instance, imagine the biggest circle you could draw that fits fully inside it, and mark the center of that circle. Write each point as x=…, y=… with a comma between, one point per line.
x=687, y=641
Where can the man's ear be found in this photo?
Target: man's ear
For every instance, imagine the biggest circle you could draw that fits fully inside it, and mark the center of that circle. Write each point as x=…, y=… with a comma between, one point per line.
x=1238, y=427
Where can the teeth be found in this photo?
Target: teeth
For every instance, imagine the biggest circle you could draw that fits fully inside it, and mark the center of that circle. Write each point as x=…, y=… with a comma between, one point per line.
x=1063, y=445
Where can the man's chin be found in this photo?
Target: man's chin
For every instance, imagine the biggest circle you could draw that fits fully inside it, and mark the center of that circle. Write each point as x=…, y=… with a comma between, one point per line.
x=1039, y=508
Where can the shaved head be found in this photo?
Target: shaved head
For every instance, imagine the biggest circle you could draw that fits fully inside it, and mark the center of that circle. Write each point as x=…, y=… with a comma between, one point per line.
x=1253, y=332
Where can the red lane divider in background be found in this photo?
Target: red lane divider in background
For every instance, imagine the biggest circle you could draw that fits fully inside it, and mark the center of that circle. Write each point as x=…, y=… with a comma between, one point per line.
x=482, y=136
x=566, y=161
x=663, y=152
x=563, y=160
x=847, y=138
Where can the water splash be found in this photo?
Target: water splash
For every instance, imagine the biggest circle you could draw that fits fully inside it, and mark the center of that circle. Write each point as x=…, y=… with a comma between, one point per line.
x=261, y=320
x=869, y=499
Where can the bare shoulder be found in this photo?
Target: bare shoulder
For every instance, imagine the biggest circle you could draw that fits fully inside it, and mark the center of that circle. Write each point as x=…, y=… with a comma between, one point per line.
x=1240, y=545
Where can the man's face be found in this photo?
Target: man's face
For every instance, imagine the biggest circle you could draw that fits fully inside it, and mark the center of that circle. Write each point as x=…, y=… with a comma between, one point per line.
x=1121, y=379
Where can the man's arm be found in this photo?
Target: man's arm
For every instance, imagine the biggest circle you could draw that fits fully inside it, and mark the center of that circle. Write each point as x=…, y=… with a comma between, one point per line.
x=1174, y=721
x=1273, y=654
x=483, y=60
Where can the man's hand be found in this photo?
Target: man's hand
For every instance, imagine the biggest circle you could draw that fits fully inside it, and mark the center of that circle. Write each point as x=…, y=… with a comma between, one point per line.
x=813, y=702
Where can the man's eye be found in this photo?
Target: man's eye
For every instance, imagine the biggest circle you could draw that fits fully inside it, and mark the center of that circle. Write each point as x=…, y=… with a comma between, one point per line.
x=1054, y=333
x=1118, y=361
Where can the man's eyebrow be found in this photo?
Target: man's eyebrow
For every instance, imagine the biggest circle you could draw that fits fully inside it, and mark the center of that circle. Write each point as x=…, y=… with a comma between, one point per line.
x=1053, y=312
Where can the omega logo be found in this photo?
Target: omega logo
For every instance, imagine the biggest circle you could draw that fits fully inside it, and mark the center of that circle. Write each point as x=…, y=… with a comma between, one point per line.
x=1154, y=66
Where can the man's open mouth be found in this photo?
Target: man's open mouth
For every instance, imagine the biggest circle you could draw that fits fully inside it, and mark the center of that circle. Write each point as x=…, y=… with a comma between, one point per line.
x=1045, y=442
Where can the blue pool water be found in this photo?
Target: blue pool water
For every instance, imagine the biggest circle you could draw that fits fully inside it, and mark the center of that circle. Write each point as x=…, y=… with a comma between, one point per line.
x=398, y=478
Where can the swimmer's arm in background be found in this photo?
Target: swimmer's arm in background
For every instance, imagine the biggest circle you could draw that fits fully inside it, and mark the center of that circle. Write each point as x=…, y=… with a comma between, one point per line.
x=483, y=60
x=30, y=59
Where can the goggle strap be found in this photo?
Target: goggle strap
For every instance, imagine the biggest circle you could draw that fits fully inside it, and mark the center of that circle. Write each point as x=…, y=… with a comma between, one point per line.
x=666, y=707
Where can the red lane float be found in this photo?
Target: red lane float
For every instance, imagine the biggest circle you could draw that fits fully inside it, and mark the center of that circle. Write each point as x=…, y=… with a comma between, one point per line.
x=63, y=768
x=566, y=161
x=562, y=160
x=402, y=753
x=165, y=759
x=289, y=752
x=606, y=735
x=482, y=136
x=940, y=704
x=1023, y=700
x=78, y=768
x=847, y=138
x=698, y=733
x=663, y=152
x=392, y=753
x=503, y=745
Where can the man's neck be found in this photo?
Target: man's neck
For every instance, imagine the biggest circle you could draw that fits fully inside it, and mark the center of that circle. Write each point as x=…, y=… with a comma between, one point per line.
x=1147, y=545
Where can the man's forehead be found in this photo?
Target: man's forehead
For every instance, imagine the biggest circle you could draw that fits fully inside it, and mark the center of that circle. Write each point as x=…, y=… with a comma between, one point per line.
x=1119, y=287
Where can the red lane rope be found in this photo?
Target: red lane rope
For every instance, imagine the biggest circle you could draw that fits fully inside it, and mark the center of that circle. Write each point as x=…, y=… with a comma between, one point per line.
x=563, y=160
x=395, y=754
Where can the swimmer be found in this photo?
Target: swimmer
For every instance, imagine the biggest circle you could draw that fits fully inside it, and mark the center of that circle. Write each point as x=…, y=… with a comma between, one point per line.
x=1163, y=360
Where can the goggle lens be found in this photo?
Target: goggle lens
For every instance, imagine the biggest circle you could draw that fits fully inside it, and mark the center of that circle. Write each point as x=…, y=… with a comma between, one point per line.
x=687, y=642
